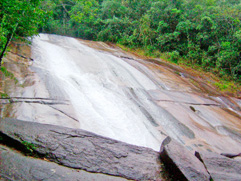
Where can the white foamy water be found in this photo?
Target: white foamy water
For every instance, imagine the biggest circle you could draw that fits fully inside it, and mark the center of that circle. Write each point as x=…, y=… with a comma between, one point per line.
x=119, y=98
x=96, y=84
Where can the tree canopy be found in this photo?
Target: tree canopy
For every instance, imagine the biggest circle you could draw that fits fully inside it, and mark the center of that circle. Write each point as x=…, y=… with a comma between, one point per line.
x=19, y=19
x=202, y=32
x=206, y=33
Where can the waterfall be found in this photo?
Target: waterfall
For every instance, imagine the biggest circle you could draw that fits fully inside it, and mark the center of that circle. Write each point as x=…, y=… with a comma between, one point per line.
x=74, y=85
x=107, y=93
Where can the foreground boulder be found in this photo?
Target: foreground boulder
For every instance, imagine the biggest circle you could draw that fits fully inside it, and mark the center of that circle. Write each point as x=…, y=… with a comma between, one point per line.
x=181, y=162
x=83, y=150
x=221, y=167
x=15, y=166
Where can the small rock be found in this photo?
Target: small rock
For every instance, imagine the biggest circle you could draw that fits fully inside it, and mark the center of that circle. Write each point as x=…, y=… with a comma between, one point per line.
x=192, y=108
x=230, y=155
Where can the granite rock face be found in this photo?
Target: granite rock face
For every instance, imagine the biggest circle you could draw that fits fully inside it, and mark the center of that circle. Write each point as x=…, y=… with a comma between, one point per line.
x=15, y=166
x=181, y=162
x=221, y=167
x=83, y=150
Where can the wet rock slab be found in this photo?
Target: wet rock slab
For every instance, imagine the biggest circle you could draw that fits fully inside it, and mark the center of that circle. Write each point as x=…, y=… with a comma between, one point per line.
x=221, y=167
x=15, y=166
x=83, y=150
x=181, y=162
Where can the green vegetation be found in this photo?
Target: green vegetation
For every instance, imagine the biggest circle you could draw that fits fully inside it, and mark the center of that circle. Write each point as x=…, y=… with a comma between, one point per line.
x=29, y=146
x=206, y=33
x=18, y=19
x=6, y=73
x=227, y=86
x=3, y=95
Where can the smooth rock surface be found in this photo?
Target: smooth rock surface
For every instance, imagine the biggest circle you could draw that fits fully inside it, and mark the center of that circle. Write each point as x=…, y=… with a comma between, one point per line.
x=182, y=163
x=75, y=83
x=80, y=149
x=15, y=166
x=221, y=167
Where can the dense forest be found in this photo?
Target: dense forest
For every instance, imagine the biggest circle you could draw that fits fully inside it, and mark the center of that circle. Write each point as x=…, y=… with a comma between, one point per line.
x=202, y=32
x=206, y=33
x=19, y=19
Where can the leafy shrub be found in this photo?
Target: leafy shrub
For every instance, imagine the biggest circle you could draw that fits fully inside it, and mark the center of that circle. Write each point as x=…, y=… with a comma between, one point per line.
x=174, y=56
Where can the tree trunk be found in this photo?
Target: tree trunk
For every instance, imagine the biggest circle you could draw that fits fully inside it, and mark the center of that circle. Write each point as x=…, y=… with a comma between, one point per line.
x=5, y=47
x=8, y=41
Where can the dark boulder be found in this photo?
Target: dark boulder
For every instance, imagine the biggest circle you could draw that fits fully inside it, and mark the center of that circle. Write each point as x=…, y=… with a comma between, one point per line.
x=220, y=167
x=181, y=163
x=83, y=150
x=15, y=166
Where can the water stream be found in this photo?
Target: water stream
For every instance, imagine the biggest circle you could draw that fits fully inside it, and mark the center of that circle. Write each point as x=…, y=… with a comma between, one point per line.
x=107, y=93
x=121, y=98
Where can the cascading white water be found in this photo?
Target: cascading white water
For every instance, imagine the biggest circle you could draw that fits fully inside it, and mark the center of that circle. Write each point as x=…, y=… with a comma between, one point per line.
x=76, y=86
x=96, y=84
